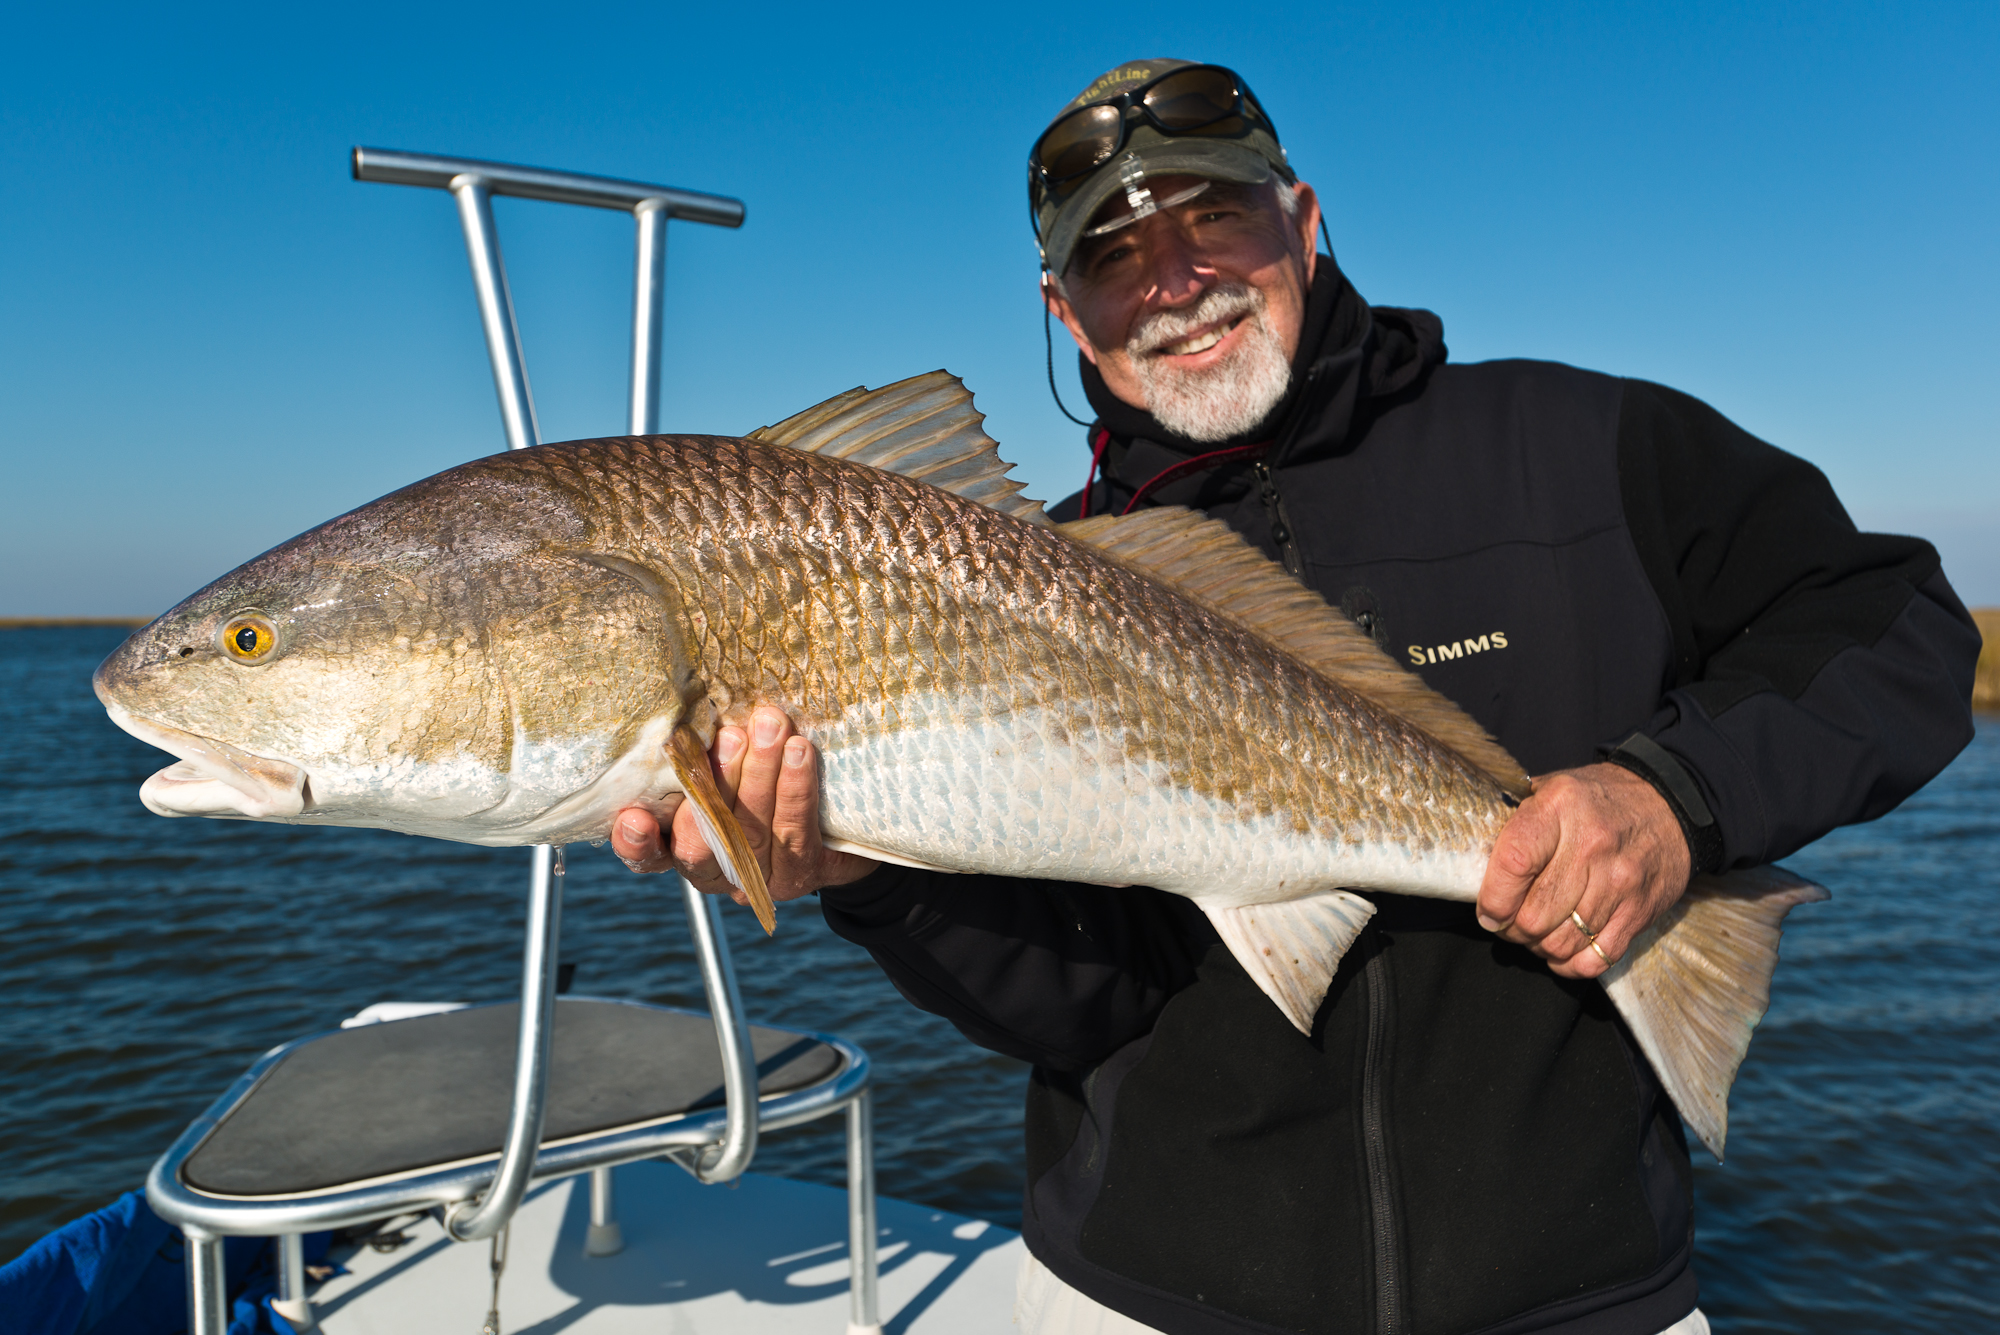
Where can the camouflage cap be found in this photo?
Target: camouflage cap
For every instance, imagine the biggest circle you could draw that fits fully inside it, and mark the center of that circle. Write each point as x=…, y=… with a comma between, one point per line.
x=1249, y=153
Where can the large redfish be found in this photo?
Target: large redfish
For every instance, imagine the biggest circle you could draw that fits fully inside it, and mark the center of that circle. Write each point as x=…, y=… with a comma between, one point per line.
x=513, y=650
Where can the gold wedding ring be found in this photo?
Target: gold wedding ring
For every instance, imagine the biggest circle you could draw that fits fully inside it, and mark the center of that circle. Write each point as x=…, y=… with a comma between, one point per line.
x=1589, y=937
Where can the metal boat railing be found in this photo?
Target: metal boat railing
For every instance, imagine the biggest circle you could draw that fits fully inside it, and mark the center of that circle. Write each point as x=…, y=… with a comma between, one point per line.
x=345, y=1207
x=473, y=183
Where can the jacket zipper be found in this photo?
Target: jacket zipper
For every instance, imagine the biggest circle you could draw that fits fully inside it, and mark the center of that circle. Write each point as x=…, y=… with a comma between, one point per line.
x=1281, y=524
x=1381, y=1200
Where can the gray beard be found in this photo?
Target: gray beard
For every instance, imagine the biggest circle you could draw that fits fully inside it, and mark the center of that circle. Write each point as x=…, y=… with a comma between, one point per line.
x=1226, y=399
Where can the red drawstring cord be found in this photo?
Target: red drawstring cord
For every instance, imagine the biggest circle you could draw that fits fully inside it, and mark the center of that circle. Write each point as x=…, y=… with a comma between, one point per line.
x=1097, y=448
x=1187, y=467
x=1199, y=464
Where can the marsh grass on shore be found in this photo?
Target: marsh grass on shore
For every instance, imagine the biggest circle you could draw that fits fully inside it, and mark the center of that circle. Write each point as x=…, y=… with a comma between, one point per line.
x=1986, y=685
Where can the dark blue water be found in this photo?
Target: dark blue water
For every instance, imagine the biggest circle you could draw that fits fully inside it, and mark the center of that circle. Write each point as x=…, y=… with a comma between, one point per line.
x=149, y=961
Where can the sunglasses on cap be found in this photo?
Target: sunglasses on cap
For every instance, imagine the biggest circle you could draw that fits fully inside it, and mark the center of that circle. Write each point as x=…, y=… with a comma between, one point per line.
x=1193, y=99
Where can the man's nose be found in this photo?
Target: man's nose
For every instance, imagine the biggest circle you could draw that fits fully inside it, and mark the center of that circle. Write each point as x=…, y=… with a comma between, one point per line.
x=1179, y=272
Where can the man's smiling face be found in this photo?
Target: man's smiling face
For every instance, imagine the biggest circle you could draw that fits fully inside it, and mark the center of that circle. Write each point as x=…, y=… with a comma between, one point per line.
x=1194, y=313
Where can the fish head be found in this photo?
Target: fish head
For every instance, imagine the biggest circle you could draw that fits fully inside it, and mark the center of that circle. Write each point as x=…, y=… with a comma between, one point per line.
x=450, y=660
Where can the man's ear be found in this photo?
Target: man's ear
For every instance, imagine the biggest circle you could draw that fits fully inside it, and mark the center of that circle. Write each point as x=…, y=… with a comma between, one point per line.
x=1058, y=305
x=1307, y=221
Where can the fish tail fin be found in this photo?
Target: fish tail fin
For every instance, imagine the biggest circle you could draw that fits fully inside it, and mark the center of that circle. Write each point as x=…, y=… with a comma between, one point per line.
x=1695, y=983
x=1291, y=949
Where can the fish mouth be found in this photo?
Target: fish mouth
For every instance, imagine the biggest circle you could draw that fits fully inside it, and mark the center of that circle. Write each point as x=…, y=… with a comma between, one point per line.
x=214, y=778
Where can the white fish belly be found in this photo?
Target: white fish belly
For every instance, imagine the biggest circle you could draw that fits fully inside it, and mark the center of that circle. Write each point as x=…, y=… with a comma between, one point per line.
x=558, y=790
x=1003, y=795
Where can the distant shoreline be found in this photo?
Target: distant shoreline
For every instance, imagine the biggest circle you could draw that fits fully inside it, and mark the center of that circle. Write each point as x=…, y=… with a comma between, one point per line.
x=29, y=623
x=1986, y=683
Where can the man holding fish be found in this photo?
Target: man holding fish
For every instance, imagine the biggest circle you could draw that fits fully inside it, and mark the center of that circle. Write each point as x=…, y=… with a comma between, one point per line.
x=1211, y=800
x=1675, y=625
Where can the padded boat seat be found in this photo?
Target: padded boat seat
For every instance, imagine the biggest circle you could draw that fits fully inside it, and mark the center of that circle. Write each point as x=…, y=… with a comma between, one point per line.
x=409, y=1096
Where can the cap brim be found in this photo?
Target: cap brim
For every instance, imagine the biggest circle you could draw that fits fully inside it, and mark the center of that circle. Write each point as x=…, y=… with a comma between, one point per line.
x=1216, y=159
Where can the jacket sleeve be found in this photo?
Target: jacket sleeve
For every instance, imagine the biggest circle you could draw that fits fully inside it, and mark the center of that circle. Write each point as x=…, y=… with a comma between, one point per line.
x=1821, y=674
x=1056, y=974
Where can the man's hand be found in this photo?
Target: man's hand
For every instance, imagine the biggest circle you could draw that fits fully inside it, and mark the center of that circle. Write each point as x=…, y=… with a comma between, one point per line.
x=775, y=783
x=1599, y=842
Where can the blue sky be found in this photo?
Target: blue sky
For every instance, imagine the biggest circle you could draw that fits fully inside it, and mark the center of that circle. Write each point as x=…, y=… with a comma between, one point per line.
x=211, y=338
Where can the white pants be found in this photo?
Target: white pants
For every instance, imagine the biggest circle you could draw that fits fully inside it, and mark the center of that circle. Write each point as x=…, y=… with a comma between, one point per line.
x=1044, y=1305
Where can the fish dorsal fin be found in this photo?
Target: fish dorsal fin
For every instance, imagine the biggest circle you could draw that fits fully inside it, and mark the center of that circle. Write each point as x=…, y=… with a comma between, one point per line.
x=1208, y=561
x=924, y=427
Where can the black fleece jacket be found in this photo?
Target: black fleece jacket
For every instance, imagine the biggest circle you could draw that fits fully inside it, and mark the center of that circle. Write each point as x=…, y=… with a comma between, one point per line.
x=1465, y=1142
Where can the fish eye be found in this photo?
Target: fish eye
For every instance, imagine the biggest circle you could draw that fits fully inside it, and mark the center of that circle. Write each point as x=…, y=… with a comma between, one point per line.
x=248, y=638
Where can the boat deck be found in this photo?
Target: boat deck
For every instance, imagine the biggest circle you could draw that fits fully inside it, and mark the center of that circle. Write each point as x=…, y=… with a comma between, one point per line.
x=765, y=1256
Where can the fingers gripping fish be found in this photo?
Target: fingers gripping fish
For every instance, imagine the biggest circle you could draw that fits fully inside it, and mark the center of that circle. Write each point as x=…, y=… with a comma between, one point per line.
x=518, y=648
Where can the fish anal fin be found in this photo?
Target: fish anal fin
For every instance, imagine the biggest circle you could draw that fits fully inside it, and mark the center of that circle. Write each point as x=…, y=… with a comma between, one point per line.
x=719, y=827
x=1206, y=560
x=1694, y=984
x=924, y=427
x=1291, y=949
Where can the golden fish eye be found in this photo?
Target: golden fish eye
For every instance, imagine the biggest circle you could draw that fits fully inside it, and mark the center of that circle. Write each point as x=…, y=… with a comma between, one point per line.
x=248, y=639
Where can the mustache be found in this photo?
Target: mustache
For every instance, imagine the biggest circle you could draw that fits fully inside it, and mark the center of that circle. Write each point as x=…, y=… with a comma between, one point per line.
x=1217, y=305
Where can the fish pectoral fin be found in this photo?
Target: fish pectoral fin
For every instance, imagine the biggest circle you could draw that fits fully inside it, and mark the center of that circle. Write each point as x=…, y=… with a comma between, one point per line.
x=720, y=829
x=1291, y=949
x=1694, y=984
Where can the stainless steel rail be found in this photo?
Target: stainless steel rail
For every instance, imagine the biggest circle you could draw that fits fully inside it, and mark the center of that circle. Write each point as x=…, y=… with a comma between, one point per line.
x=290, y=1302
x=863, y=1317
x=308, y=1212
x=207, y=1287
x=649, y=299
x=205, y=1220
x=732, y=1040
x=604, y=1237
x=465, y=1221
x=390, y=166
x=472, y=183
x=474, y=195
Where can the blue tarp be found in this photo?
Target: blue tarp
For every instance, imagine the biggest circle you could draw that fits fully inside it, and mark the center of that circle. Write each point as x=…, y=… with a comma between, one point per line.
x=122, y=1271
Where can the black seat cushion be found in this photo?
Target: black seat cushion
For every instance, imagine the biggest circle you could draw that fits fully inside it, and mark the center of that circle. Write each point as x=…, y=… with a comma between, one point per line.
x=410, y=1095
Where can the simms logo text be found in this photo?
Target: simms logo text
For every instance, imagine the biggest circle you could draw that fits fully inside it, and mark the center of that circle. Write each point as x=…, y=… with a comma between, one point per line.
x=1457, y=648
